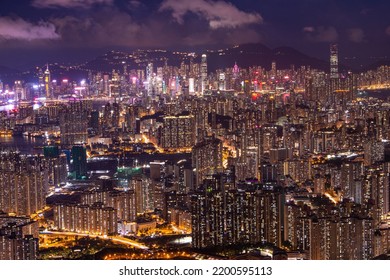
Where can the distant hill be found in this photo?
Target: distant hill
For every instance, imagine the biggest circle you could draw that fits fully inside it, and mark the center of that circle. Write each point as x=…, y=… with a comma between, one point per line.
x=248, y=55
x=245, y=55
x=375, y=65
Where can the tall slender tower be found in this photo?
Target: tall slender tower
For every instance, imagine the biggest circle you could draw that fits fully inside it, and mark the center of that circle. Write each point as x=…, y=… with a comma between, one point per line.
x=334, y=61
x=203, y=73
x=46, y=80
x=149, y=77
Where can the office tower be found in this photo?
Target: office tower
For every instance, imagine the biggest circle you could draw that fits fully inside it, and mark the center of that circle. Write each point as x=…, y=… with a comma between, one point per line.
x=203, y=74
x=106, y=85
x=334, y=61
x=115, y=114
x=47, y=81
x=107, y=117
x=236, y=71
x=207, y=158
x=18, y=238
x=178, y=132
x=79, y=161
x=115, y=84
x=149, y=78
x=74, y=124
x=20, y=93
x=94, y=121
x=273, y=69
x=191, y=86
x=23, y=183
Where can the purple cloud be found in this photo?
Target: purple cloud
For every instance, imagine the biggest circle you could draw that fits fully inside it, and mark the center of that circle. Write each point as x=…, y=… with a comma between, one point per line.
x=355, y=35
x=388, y=31
x=69, y=3
x=308, y=29
x=219, y=14
x=321, y=34
x=19, y=29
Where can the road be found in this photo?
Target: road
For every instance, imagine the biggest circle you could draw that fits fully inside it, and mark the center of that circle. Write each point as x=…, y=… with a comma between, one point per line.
x=117, y=239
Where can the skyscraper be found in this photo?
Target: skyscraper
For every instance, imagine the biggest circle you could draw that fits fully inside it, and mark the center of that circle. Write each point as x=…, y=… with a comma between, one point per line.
x=334, y=61
x=74, y=123
x=207, y=158
x=203, y=73
x=18, y=238
x=79, y=156
x=23, y=183
x=47, y=82
x=178, y=132
x=149, y=78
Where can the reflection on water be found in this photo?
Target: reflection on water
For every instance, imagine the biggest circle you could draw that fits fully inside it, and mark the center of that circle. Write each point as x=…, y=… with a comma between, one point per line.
x=24, y=144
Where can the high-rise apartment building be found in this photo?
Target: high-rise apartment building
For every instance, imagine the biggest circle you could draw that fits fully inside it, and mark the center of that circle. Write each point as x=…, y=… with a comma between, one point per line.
x=74, y=123
x=18, y=238
x=23, y=183
x=207, y=158
x=178, y=132
x=249, y=214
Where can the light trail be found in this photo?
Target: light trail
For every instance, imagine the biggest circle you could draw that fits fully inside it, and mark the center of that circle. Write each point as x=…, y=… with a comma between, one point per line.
x=117, y=239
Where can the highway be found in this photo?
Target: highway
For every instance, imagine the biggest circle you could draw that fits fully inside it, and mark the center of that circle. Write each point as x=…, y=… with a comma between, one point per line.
x=117, y=239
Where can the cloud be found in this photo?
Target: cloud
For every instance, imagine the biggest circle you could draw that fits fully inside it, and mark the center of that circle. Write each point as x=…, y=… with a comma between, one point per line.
x=19, y=29
x=326, y=34
x=355, y=35
x=308, y=29
x=112, y=27
x=103, y=28
x=388, y=31
x=135, y=3
x=69, y=3
x=219, y=14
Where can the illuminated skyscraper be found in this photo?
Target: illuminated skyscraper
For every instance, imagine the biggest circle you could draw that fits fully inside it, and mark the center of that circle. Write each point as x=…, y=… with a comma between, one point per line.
x=334, y=61
x=273, y=69
x=203, y=73
x=236, y=71
x=149, y=78
x=106, y=85
x=47, y=82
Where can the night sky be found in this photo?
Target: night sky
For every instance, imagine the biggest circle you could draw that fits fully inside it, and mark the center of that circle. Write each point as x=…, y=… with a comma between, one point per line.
x=38, y=31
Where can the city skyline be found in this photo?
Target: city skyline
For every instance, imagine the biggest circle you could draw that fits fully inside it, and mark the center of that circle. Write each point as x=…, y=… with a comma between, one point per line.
x=40, y=31
x=242, y=152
